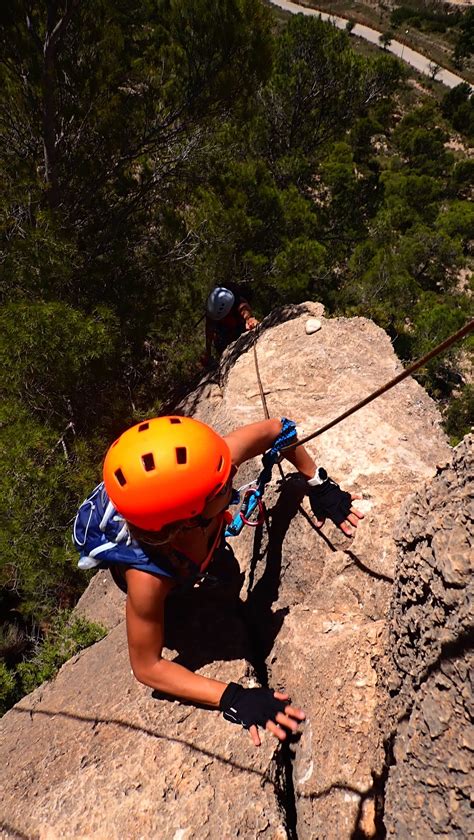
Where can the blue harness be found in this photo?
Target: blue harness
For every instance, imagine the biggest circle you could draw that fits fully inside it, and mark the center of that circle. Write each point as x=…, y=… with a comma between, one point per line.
x=252, y=499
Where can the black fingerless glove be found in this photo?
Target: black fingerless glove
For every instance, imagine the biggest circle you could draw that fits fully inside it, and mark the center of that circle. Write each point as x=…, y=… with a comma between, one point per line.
x=248, y=706
x=327, y=500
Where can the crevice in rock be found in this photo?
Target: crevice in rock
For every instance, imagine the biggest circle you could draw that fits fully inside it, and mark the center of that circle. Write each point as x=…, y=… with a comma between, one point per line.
x=377, y=794
x=284, y=754
x=262, y=627
x=285, y=787
x=380, y=784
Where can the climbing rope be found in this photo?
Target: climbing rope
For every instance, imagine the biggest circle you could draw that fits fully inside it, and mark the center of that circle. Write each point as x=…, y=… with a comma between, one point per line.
x=467, y=328
x=252, y=500
x=252, y=509
x=259, y=379
x=415, y=366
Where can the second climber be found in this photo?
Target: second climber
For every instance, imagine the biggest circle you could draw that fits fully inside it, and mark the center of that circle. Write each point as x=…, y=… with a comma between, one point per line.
x=228, y=315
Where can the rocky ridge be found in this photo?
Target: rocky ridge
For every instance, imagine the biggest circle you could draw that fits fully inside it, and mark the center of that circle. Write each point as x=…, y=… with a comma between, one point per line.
x=430, y=665
x=95, y=755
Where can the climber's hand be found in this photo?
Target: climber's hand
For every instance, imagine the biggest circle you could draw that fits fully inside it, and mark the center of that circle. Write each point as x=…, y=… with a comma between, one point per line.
x=327, y=500
x=253, y=707
x=290, y=719
x=251, y=323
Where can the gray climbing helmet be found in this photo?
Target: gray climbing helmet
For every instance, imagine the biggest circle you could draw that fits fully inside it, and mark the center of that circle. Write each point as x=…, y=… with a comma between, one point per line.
x=219, y=303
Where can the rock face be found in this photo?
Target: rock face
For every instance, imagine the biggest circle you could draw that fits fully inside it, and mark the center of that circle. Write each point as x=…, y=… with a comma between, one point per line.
x=431, y=665
x=94, y=755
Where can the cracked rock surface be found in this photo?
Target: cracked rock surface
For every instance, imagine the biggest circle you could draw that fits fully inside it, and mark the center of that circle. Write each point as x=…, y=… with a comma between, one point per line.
x=93, y=755
x=430, y=670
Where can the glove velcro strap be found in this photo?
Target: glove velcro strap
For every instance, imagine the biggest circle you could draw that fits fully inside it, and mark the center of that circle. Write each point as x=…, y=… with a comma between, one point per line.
x=229, y=693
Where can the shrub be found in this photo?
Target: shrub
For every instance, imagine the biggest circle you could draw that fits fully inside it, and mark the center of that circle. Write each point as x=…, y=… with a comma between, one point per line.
x=64, y=639
x=459, y=416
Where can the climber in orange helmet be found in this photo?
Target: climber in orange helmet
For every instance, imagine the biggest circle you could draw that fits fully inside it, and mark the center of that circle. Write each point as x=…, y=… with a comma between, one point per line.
x=169, y=479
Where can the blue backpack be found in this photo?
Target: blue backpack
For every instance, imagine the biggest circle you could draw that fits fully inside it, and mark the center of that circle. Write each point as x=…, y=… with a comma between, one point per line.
x=102, y=538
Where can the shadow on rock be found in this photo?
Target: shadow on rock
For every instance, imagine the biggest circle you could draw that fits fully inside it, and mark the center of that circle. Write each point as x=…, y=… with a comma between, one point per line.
x=263, y=622
x=210, y=622
x=203, y=623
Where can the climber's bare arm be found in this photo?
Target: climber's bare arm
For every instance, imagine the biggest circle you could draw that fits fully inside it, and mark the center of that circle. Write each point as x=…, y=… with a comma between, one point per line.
x=145, y=630
x=256, y=438
x=246, y=313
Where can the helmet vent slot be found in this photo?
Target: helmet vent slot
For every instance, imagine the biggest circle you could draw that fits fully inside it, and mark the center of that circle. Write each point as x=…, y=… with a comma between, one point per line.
x=220, y=464
x=143, y=427
x=181, y=454
x=175, y=420
x=120, y=477
x=148, y=461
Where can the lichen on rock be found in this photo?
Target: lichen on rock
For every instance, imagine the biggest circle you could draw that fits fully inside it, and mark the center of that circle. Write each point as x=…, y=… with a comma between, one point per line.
x=430, y=661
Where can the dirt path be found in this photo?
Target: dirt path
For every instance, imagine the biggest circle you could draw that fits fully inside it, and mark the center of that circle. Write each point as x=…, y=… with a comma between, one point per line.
x=415, y=59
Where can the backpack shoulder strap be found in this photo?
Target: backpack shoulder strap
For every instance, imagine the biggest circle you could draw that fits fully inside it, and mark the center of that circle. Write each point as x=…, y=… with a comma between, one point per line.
x=102, y=538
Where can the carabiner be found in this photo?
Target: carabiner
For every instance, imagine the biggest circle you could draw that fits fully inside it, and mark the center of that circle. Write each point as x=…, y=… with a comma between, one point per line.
x=252, y=501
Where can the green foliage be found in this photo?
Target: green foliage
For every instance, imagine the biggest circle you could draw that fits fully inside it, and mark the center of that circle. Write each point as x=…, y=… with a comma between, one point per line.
x=429, y=257
x=427, y=17
x=149, y=151
x=458, y=107
x=297, y=269
x=64, y=638
x=417, y=243
x=420, y=137
x=421, y=142
x=380, y=286
x=43, y=474
x=385, y=39
x=52, y=356
x=463, y=176
x=434, y=319
x=410, y=198
x=212, y=51
x=349, y=193
x=317, y=88
x=464, y=46
x=457, y=219
x=9, y=693
x=459, y=416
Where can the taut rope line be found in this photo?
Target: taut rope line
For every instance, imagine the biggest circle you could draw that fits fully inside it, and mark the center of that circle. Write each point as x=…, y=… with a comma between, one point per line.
x=415, y=366
x=467, y=328
x=262, y=392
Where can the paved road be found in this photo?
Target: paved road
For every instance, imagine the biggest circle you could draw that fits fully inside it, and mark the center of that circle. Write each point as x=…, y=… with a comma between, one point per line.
x=417, y=60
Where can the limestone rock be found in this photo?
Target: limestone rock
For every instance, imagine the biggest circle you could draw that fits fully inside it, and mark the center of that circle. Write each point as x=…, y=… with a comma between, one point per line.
x=94, y=755
x=312, y=325
x=317, y=603
x=430, y=659
x=102, y=601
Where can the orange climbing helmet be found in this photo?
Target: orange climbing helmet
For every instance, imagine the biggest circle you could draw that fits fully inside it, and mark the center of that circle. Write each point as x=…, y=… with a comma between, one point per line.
x=165, y=469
